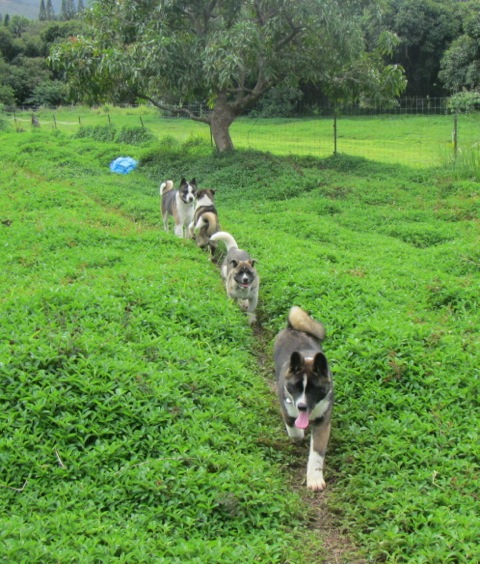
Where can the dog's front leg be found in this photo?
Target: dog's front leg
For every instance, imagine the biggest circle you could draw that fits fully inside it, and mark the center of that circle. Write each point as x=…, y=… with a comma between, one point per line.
x=178, y=230
x=318, y=447
x=165, y=222
x=252, y=305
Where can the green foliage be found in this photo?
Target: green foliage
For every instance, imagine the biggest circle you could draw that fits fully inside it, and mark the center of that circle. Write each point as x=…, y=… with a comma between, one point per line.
x=279, y=101
x=464, y=102
x=105, y=133
x=24, y=75
x=49, y=93
x=227, y=61
x=3, y=122
x=135, y=423
x=135, y=431
x=134, y=135
x=459, y=65
x=98, y=132
x=425, y=30
x=7, y=94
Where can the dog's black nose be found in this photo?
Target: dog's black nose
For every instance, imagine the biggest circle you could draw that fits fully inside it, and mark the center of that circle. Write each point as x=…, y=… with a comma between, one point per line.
x=302, y=406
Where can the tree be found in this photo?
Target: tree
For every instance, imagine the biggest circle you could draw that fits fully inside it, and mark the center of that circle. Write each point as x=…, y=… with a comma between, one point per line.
x=425, y=29
x=461, y=62
x=226, y=53
x=18, y=25
x=50, y=11
x=9, y=48
x=80, y=7
x=42, y=15
x=68, y=10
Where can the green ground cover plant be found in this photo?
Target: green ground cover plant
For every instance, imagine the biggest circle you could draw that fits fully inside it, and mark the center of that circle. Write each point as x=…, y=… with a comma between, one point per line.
x=139, y=421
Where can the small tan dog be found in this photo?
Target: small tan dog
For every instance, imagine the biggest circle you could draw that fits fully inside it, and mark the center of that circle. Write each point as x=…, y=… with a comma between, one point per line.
x=241, y=279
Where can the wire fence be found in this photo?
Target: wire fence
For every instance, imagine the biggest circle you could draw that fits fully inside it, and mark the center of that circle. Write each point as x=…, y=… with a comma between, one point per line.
x=415, y=132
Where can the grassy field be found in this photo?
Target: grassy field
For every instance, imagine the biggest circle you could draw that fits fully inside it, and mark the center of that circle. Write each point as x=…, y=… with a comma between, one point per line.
x=138, y=419
x=414, y=140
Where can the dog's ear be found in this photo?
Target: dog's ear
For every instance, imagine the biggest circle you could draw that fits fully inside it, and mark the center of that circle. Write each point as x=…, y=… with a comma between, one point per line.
x=193, y=182
x=213, y=192
x=320, y=366
x=183, y=181
x=234, y=263
x=297, y=363
x=252, y=262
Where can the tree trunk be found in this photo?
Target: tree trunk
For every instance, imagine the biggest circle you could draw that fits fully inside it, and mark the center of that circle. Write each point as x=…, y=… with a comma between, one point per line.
x=222, y=118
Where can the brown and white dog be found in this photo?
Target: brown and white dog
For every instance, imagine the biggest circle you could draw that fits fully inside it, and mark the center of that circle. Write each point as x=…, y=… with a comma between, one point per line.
x=179, y=204
x=305, y=388
x=238, y=270
x=205, y=220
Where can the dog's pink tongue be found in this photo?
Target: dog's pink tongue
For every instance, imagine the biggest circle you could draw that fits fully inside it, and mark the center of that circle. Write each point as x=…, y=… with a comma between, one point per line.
x=301, y=421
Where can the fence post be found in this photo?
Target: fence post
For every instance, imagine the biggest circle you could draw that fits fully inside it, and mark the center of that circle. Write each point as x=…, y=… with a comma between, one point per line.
x=334, y=133
x=54, y=122
x=455, y=136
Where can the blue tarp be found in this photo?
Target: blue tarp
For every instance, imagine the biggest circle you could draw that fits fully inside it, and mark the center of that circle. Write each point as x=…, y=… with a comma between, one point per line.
x=123, y=165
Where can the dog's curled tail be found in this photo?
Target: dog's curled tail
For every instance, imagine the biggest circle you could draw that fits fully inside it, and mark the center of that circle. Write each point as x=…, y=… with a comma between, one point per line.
x=166, y=187
x=226, y=238
x=299, y=320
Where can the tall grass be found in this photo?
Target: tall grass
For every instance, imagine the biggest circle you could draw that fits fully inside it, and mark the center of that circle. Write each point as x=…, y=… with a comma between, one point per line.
x=465, y=164
x=138, y=424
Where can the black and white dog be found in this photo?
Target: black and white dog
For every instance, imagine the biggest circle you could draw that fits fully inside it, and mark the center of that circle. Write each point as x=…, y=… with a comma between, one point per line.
x=238, y=270
x=305, y=388
x=179, y=204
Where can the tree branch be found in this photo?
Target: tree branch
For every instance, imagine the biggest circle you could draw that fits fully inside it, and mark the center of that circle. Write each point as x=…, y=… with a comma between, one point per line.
x=170, y=108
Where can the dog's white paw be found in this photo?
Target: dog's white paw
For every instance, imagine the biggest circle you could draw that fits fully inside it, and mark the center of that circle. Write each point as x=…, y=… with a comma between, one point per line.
x=251, y=317
x=315, y=481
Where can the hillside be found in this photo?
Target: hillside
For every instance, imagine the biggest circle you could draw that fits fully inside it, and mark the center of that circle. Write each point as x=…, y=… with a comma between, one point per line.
x=138, y=419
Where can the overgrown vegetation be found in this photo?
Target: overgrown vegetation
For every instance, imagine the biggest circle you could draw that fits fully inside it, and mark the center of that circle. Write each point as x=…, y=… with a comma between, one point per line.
x=136, y=422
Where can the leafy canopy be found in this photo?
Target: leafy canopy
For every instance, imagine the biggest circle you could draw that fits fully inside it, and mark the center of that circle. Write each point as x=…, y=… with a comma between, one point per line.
x=180, y=51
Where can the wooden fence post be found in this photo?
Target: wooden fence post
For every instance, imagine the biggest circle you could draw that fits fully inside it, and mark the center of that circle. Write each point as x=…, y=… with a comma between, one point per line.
x=334, y=133
x=455, y=136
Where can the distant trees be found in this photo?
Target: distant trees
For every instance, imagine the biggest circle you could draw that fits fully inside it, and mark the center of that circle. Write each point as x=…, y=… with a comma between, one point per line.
x=460, y=65
x=67, y=12
x=50, y=11
x=42, y=14
x=438, y=46
x=425, y=29
x=25, y=77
